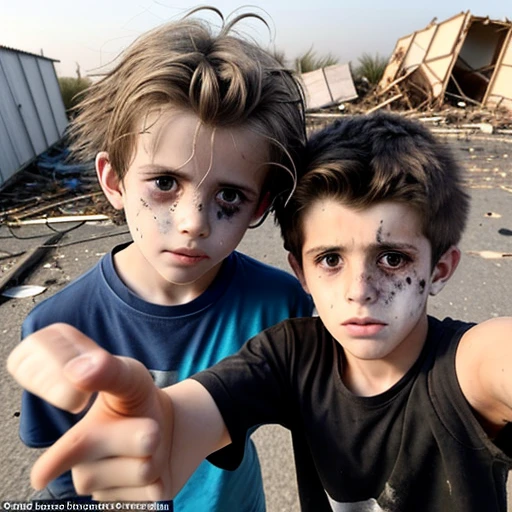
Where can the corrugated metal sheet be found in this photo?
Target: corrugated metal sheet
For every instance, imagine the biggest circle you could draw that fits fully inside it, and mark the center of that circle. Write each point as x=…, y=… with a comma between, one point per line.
x=32, y=113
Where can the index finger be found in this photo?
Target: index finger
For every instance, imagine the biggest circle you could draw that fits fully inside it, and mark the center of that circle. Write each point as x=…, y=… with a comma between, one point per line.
x=132, y=437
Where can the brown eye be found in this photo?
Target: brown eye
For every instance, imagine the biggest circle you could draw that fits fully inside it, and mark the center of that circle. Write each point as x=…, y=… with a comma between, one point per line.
x=332, y=260
x=229, y=196
x=165, y=183
x=393, y=260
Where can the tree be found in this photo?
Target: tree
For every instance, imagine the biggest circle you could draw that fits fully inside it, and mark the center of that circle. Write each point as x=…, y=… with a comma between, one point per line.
x=73, y=90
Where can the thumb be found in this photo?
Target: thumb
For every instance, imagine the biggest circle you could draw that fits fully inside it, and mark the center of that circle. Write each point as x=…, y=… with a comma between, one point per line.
x=125, y=385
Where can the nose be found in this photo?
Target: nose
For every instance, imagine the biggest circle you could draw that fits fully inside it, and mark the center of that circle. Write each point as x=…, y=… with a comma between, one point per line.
x=191, y=217
x=360, y=287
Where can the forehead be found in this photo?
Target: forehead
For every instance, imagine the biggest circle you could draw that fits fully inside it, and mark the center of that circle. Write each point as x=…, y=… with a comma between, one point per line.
x=330, y=222
x=182, y=128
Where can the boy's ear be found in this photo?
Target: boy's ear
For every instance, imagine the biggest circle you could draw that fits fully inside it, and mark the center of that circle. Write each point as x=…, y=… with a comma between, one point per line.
x=297, y=269
x=444, y=269
x=109, y=181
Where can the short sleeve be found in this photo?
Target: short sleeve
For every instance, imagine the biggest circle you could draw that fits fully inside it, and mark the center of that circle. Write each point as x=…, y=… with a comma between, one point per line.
x=251, y=388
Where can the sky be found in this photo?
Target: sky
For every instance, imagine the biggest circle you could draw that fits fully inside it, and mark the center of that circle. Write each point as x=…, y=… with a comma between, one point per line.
x=91, y=33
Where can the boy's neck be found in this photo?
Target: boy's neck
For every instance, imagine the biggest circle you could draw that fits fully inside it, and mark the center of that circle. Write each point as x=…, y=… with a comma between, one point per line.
x=375, y=376
x=146, y=283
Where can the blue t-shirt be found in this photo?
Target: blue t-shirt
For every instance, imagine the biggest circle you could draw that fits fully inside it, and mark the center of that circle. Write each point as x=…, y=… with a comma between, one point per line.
x=173, y=342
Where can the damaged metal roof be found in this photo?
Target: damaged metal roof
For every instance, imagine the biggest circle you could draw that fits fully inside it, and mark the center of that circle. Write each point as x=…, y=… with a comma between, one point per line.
x=465, y=58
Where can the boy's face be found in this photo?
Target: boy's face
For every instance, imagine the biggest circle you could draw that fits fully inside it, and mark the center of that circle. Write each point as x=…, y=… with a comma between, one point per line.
x=189, y=195
x=369, y=272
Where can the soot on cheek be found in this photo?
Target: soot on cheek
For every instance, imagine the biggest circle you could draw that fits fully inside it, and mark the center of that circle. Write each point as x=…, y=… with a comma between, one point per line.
x=226, y=214
x=391, y=286
x=422, y=284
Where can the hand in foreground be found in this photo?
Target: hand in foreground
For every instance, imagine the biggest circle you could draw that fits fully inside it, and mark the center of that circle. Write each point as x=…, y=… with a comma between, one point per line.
x=118, y=450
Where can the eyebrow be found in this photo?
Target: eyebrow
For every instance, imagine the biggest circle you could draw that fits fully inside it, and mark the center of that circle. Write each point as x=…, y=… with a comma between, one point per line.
x=157, y=170
x=394, y=246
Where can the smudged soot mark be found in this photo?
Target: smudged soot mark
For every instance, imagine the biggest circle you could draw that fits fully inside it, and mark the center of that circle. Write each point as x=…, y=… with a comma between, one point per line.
x=422, y=284
x=379, y=232
x=144, y=203
x=505, y=232
x=399, y=285
x=408, y=280
x=200, y=207
x=225, y=214
x=390, y=298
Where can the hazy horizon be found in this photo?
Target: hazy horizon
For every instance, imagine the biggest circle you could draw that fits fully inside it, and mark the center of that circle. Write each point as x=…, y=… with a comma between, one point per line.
x=90, y=34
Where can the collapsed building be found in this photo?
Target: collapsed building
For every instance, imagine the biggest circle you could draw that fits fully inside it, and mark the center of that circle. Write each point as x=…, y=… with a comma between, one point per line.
x=463, y=59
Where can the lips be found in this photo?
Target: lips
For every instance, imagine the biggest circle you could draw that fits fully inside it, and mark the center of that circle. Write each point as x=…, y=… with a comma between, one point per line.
x=191, y=253
x=363, y=326
x=189, y=256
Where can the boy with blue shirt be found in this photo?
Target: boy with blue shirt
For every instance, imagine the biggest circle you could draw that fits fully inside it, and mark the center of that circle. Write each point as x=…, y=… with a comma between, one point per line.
x=195, y=135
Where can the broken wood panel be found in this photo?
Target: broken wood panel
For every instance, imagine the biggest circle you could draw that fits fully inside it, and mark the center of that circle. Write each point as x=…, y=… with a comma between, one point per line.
x=448, y=36
x=419, y=47
x=499, y=91
x=436, y=72
x=327, y=86
x=339, y=80
x=395, y=62
x=444, y=50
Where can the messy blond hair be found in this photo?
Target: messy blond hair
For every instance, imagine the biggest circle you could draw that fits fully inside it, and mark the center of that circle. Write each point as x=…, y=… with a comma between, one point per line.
x=223, y=79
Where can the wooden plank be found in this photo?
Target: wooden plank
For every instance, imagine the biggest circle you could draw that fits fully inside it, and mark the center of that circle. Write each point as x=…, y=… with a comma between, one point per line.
x=384, y=103
x=58, y=220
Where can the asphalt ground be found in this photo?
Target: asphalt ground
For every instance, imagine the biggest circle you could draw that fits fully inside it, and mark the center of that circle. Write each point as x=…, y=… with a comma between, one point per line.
x=480, y=289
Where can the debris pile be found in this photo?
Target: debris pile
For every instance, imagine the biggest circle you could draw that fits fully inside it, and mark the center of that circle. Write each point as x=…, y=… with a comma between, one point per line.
x=52, y=189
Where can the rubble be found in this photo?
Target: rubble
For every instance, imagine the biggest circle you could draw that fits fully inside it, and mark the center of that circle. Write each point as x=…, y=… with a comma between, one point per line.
x=464, y=59
x=51, y=188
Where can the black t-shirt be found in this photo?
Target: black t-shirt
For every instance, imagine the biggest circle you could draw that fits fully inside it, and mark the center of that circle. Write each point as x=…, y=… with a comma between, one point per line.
x=415, y=447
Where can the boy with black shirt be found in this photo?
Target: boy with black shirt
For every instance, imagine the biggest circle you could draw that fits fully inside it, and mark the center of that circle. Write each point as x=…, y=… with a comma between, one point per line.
x=389, y=409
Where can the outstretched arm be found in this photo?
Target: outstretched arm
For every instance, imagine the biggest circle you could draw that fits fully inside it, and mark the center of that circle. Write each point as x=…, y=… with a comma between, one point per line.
x=484, y=371
x=136, y=442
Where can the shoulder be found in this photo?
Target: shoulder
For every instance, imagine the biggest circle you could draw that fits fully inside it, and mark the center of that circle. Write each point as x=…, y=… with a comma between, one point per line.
x=256, y=270
x=301, y=335
x=484, y=369
x=64, y=302
x=483, y=342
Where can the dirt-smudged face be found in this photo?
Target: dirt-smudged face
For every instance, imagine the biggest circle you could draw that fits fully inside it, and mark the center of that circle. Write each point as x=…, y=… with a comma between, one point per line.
x=189, y=195
x=369, y=272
